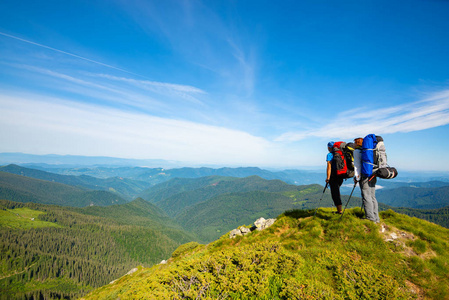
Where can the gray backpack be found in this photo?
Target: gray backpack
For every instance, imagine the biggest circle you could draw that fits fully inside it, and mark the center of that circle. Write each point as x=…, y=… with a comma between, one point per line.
x=382, y=169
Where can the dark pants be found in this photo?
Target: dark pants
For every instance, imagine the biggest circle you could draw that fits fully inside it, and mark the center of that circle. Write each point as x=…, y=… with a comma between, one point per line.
x=334, y=184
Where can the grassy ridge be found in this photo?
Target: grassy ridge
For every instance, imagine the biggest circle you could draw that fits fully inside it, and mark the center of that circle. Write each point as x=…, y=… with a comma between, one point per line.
x=307, y=258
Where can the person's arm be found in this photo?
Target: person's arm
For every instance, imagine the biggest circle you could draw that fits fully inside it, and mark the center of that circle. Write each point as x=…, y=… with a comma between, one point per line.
x=328, y=171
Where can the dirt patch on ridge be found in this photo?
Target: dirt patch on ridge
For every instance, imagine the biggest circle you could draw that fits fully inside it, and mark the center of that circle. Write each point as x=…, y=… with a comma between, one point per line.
x=399, y=239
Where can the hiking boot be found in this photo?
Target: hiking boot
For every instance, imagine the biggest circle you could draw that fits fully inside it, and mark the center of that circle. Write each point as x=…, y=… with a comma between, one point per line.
x=339, y=207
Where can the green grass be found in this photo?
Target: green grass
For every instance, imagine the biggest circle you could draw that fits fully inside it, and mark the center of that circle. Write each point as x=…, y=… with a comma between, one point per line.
x=23, y=218
x=303, y=257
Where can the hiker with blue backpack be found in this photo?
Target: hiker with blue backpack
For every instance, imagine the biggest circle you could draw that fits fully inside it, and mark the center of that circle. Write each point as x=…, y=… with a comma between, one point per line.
x=333, y=179
x=367, y=181
x=370, y=162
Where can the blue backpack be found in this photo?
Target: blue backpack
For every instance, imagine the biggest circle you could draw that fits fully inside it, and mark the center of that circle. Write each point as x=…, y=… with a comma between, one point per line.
x=374, y=158
x=368, y=147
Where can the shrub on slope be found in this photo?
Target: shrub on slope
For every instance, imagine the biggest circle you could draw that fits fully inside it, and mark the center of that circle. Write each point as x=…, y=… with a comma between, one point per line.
x=301, y=257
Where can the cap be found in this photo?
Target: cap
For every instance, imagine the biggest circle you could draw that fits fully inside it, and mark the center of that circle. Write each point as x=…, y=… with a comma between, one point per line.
x=330, y=144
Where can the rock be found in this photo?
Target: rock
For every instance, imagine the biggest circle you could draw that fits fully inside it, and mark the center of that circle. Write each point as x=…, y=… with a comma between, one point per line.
x=244, y=230
x=261, y=223
x=163, y=262
x=269, y=222
x=132, y=271
x=235, y=233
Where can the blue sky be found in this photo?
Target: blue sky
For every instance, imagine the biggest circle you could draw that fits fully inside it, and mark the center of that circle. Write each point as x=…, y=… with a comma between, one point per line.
x=239, y=83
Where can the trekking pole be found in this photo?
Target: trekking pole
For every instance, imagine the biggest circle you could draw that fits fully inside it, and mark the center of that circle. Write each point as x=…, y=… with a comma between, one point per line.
x=355, y=184
x=363, y=204
x=325, y=187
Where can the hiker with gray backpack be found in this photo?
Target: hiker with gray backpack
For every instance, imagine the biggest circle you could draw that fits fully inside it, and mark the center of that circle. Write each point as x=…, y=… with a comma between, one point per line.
x=370, y=162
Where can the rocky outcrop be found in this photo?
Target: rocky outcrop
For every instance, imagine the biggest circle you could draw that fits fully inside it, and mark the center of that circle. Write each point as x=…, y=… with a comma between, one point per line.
x=259, y=224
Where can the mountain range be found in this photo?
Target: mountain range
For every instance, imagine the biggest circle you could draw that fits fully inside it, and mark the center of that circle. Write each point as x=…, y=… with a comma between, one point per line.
x=124, y=187
x=26, y=189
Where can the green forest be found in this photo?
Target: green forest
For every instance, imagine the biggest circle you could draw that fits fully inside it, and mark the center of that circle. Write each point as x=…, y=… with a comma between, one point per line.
x=65, y=252
x=422, y=198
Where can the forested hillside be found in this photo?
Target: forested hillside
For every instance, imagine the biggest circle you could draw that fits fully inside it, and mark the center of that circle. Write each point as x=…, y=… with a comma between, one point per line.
x=180, y=201
x=138, y=212
x=438, y=216
x=25, y=189
x=211, y=205
x=64, y=252
x=176, y=186
x=211, y=219
x=415, y=197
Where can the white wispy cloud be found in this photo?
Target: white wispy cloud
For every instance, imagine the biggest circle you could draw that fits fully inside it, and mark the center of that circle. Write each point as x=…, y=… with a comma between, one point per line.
x=202, y=37
x=117, y=90
x=430, y=112
x=183, y=91
x=247, y=65
x=66, y=53
x=53, y=125
x=78, y=85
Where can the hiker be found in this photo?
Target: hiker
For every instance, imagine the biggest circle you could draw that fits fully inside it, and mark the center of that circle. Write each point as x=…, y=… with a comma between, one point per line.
x=367, y=184
x=334, y=181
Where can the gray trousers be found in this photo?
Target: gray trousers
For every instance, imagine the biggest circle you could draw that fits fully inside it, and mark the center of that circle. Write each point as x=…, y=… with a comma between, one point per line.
x=368, y=189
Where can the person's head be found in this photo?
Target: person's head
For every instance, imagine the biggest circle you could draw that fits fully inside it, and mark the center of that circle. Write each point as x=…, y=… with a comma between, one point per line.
x=358, y=141
x=329, y=146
